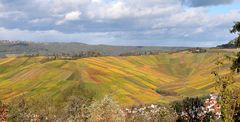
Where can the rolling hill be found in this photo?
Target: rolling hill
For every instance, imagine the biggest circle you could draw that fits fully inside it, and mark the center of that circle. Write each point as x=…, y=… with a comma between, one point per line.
x=131, y=79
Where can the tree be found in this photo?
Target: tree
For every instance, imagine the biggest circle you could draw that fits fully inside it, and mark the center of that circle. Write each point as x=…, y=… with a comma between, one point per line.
x=236, y=62
x=225, y=83
x=236, y=30
x=236, y=67
x=192, y=109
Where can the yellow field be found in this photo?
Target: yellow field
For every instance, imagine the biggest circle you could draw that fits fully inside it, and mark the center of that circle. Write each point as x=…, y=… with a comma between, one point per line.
x=131, y=80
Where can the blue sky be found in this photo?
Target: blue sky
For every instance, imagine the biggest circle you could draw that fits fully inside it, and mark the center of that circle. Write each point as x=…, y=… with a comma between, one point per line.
x=225, y=8
x=120, y=22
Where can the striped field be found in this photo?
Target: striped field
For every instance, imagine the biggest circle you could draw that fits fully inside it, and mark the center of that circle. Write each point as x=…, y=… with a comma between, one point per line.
x=131, y=80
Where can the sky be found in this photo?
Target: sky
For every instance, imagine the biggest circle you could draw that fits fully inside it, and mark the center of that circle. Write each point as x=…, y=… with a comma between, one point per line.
x=204, y=23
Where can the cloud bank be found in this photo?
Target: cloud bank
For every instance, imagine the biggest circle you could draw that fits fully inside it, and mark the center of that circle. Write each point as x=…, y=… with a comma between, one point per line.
x=198, y=3
x=118, y=22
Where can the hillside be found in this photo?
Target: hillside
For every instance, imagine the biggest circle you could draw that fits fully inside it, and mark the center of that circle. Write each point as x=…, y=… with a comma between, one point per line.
x=131, y=80
x=72, y=48
x=230, y=44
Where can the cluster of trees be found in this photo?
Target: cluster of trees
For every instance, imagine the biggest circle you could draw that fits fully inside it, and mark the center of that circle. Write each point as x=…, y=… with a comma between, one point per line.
x=192, y=110
x=140, y=53
x=67, y=56
x=85, y=54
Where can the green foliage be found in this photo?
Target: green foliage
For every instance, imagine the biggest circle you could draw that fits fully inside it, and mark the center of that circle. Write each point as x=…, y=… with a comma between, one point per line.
x=236, y=64
x=235, y=28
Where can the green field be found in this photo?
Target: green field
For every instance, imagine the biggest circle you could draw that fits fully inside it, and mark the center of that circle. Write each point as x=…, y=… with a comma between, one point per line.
x=131, y=80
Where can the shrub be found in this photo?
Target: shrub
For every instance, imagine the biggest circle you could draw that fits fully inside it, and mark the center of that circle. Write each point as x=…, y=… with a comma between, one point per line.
x=34, y=110
x=106, y=110
x=77, y=109
x=43, y=109
x=19, y=110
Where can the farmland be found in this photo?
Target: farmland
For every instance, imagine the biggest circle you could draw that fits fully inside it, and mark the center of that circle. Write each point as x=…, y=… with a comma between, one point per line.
x=129, y=79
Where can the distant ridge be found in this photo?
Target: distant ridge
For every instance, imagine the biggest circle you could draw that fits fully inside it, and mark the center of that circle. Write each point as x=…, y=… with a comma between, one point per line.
x=49, y=48
x=230, y=44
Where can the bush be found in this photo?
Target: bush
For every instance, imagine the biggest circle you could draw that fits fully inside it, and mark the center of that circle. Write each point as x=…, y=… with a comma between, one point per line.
x=43, y=109
x=77, y=109
x=19, y=110
x=25, y=110
x=106, y=110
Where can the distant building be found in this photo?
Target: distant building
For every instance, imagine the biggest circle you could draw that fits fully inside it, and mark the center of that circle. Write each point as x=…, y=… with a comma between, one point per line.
x=212, y=105
x=198, y=50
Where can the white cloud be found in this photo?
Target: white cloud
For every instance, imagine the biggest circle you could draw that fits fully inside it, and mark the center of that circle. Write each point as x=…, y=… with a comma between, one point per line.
x=55, y=36
x=39, y=20
x=114, y=10
x=74, y=15
x=13, y=15
x=149, y=20
x=136, y=8
x=96, y=1
x=60, y=6
x=1, y=7
x=71, y=16
x=199, y=30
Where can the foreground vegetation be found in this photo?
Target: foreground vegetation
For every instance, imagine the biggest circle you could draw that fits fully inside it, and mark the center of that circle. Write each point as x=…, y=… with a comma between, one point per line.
x=81, y=109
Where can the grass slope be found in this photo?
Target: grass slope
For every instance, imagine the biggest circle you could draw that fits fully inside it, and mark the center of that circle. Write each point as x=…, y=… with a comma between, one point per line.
x=131, y=80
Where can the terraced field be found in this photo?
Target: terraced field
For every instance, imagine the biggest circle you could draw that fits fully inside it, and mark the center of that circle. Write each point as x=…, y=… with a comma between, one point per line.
x=131, y=80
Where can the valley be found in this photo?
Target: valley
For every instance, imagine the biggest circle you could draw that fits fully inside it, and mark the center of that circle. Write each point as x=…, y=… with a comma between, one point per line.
x=131, y=80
